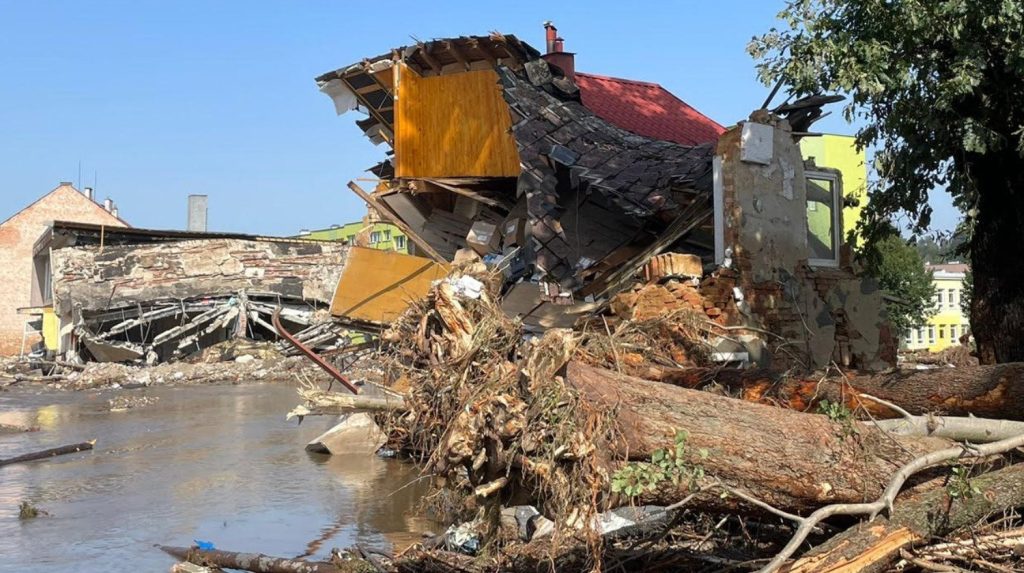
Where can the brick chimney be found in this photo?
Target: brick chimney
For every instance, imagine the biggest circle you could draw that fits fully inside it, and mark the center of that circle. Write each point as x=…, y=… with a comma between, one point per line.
x=556, y=56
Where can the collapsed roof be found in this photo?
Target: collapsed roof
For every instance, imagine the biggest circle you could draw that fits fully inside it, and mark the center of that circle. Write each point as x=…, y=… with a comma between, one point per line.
x=598, y=201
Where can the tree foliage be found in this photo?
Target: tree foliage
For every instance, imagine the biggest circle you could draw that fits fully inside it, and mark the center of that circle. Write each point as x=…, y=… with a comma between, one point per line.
x=900, y=272
x=935, y=82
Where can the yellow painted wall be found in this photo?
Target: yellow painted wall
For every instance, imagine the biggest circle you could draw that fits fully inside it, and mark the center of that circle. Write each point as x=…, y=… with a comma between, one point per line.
x=456, y=125
x=51, y=330
x=948, y=323
x=840, y=152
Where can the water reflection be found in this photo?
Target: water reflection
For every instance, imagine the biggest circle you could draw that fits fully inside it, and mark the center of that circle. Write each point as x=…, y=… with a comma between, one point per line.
x=212, y=463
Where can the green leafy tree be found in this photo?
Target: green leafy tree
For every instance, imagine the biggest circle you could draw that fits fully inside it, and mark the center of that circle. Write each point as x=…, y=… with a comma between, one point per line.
x=900, y=272
x=937, y=86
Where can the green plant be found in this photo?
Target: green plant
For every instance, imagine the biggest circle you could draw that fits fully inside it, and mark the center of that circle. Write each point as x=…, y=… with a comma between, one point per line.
x=959, y=485
x=665, y=465
x=840, y=414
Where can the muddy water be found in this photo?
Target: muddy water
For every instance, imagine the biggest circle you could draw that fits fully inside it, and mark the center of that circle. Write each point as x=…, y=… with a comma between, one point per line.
x=214, y=463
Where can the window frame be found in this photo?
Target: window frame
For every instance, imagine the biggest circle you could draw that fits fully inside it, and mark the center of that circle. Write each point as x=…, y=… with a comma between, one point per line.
x=837, y=215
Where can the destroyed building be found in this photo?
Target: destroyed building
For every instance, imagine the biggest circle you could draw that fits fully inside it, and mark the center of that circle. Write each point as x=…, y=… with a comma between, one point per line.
x=23, y=317
x=133, y=295
x=492, y=149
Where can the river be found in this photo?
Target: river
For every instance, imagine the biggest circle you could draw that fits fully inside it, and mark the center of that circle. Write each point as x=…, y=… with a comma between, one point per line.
x=215, y=463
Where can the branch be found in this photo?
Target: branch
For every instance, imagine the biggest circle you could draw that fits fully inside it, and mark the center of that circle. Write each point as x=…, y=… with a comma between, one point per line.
x=807, y=524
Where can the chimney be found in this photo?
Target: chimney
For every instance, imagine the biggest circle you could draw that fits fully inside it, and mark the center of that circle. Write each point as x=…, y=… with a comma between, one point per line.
x=87, y=192
x=114, y=211
x=557, y=56
x=197, y=213
x=108, y=204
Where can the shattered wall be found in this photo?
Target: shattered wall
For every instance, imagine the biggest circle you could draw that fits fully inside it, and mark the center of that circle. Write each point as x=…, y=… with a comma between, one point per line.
x=95, y=278
x=823, y=314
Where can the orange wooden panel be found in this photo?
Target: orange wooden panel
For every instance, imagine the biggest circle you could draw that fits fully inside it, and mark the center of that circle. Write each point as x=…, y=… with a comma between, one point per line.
x=456, y=125
x=377, y=286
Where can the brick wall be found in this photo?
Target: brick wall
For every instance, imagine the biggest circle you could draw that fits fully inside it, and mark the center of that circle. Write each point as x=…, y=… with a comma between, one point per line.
x=17, y=236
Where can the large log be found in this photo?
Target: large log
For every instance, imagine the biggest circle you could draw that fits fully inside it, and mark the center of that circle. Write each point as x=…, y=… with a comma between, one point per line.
x=49, y=453
x=873, y=546
x=984, y=391
x=256, y=562
x=791, y=460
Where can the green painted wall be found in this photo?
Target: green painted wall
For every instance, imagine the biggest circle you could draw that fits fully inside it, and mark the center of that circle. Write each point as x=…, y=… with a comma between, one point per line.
x=383, y=236
x=840, y=152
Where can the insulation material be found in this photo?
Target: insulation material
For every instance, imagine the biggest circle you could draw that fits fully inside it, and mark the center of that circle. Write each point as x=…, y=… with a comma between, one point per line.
x=343, y=98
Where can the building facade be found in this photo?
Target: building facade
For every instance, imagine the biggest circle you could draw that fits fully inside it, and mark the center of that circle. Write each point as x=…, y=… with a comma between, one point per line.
x=948, y=324
x=375, y=235
x=22, y=300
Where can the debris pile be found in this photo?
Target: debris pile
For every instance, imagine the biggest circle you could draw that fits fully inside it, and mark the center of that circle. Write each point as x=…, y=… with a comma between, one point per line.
x=578, y=424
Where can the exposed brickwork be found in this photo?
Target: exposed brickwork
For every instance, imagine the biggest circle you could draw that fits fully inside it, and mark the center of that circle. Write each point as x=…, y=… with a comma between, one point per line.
x=17, y=236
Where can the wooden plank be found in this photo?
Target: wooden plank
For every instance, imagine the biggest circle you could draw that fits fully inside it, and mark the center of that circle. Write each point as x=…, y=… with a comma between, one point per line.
x=453, y=126
x=377, y=286
x=388, y=214
x=471, y=194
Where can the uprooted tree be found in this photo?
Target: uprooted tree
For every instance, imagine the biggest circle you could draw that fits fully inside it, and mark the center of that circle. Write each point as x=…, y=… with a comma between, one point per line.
x=937, y=86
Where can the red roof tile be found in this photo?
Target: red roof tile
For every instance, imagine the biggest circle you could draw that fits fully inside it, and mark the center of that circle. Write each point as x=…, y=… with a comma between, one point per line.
x=646, y=109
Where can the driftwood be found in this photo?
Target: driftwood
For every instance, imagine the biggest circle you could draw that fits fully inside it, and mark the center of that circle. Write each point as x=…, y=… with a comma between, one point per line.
x=984, y=391
x=873, y=546
x=790, y=460
x=70, y=449
x=256, y=562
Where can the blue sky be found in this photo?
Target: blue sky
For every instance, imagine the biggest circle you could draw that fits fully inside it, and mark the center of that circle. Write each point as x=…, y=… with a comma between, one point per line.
x=157, y=100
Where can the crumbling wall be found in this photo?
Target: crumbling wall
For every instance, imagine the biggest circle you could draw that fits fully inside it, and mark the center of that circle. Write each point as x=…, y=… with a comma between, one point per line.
x=96, y=278
x=824, y=314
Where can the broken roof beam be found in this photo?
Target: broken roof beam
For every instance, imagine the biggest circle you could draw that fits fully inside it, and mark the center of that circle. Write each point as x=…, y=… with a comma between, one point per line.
x=474, y=195
x=457, y=54
x=388, y=214
x=424, y=54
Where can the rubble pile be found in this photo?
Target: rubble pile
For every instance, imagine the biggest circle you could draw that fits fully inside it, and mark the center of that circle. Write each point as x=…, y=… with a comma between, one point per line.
x=536, y=443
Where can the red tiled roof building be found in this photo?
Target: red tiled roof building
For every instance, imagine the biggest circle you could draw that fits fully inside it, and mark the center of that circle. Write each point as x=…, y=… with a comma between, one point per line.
x=641, y=107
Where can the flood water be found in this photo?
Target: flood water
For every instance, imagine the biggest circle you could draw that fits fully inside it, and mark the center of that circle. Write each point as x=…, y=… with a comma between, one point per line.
x=213, y=463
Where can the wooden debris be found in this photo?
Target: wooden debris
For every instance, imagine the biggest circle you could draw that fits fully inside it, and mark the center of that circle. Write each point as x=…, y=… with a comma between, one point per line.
x=255, y=562
x=49, y=453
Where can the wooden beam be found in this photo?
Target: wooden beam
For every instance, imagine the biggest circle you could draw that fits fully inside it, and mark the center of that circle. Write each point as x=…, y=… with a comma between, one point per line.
x=397, y=221
x=486, y=51
x=434, y=65
x=471, y=194
x=457, y=54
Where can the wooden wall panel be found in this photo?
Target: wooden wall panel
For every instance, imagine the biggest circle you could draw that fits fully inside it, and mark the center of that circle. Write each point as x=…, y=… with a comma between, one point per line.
x=456, y=125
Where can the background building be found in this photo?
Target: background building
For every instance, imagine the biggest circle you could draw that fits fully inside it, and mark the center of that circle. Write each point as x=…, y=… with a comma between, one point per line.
x=18, y=234
x=949, y=323
x=376, y=235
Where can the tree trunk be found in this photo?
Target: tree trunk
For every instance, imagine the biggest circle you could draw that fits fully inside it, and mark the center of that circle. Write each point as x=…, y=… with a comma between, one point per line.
x=256, y=562
x=873, y=546
x=997, y=261
x=984, y=391
x=794, y=461
x=49, y=453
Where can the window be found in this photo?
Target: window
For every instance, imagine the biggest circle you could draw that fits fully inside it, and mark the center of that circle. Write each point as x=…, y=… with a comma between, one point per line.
x=387, y=234
x=351, y=239
x=399, y=241
x=931, y=335
x=824, y=220
x=951, y=298
x=942, y=332
x=938, y=299
x=374, y=237
x=920, y=335
x=952, y=332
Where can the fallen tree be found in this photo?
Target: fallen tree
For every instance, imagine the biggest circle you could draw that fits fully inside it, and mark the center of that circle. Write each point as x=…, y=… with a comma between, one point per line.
x=790, y=460
x=255, y=562
x=983, y=391
x=49, y=453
